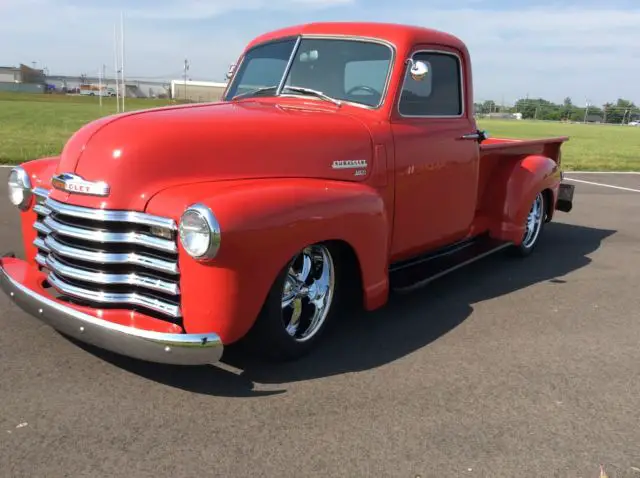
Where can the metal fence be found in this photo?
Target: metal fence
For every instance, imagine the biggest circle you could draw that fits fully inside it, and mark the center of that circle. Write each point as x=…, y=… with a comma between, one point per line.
x=22, y=87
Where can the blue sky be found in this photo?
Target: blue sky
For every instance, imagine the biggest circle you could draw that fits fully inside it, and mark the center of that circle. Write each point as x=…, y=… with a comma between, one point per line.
x=578, y=48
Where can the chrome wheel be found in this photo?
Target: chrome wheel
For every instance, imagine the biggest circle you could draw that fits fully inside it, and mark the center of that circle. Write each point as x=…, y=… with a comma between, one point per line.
x=534, y=222
x=308, y=292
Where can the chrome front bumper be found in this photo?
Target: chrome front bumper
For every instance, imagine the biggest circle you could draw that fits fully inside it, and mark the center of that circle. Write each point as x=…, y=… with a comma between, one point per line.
x=177, y=349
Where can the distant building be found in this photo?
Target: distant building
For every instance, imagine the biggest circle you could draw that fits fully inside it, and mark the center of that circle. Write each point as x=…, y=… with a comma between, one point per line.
x=22, y=78
x=197, y=91
x=21, y=74
x=509, y=116
x=593, y=118
x=10, y=74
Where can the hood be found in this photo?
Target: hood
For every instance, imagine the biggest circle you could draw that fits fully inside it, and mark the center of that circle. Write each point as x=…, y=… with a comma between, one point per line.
x=141, y=153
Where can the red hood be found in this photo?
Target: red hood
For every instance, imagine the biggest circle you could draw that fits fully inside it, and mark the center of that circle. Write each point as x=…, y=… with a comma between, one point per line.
x=141, y=153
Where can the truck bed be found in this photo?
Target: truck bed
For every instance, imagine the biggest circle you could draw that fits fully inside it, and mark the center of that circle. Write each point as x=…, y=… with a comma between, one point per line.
x=546, y=146
x=495, y=151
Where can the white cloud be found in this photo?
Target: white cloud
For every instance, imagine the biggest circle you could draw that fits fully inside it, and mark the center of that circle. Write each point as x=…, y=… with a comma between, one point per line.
x=582, y=51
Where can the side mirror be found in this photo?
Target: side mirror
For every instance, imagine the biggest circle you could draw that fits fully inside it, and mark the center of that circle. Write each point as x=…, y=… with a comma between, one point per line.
x=230, y=71
x=419, y=69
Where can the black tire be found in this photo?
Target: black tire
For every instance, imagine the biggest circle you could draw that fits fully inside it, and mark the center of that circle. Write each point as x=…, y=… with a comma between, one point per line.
x=268, y=338
x=537, y=217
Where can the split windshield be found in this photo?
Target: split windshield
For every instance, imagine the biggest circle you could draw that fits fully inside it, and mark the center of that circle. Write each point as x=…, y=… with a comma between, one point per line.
x=331, y=69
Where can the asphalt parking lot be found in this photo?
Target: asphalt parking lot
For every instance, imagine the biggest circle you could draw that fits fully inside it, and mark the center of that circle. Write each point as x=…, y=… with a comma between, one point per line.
x=514, y=368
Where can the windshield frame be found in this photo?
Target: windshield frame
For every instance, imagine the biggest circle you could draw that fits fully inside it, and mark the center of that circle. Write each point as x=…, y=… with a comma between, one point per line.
x=294, y=51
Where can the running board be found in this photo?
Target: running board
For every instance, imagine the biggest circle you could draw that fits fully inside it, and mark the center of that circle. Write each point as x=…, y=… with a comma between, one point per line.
x=410, y=275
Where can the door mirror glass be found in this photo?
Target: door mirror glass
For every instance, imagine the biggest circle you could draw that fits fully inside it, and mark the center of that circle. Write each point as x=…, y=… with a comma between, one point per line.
x=230, y=71
x=419, y=70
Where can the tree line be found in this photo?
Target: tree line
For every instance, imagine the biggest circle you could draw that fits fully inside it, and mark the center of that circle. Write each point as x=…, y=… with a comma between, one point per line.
x=621, y=112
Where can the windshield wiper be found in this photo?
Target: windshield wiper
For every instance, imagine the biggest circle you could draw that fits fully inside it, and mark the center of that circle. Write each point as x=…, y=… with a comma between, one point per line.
x=317, y=93
x=257, y=90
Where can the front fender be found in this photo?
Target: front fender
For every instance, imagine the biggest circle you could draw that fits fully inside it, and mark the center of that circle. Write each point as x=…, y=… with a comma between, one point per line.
x=264, y=223
x=526, y=179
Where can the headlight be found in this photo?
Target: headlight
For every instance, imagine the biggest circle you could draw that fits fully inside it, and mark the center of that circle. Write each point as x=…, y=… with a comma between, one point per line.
x=19, y=188
x=199, y=232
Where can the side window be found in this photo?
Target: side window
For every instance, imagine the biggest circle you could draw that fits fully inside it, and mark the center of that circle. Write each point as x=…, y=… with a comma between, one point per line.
x=438, y=92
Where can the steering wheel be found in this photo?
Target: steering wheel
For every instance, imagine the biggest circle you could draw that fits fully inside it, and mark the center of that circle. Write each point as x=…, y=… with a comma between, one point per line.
x=365, y=88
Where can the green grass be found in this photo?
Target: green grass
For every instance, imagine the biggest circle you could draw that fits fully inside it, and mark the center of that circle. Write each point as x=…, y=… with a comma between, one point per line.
x=591, y=147
x=36, y=125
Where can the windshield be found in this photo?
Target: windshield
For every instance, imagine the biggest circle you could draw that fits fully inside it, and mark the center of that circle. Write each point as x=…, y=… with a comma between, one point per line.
x=347, y=70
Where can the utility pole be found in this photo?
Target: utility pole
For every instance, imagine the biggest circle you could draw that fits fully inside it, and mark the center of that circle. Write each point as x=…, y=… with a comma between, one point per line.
x=586, y=111
x=186, y=68
x=100, y=87
x=116, y=71
x=124, y=86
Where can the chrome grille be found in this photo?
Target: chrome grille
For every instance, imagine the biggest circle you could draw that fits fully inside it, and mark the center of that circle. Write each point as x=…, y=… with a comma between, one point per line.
x=103, y=258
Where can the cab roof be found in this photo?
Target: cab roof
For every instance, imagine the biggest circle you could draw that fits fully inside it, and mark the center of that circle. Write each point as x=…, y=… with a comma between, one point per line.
x=402, y=36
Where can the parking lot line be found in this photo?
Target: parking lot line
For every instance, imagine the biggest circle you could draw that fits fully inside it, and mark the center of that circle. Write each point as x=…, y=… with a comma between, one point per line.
x=602, y=172
x=602, y=185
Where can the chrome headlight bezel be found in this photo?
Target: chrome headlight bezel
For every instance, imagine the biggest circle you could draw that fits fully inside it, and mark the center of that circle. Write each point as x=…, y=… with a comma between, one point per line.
x=210, y=233
x=18, y=180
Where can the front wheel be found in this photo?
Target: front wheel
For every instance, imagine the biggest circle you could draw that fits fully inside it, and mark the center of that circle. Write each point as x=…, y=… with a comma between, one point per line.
x=299, y=305
x=533, y=227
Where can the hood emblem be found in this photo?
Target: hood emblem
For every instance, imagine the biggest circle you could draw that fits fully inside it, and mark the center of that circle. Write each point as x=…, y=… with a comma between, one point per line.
x=72, y=183
x=350, y=164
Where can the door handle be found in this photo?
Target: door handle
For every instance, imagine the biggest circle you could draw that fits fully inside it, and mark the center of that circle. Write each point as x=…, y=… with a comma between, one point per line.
x=476, y=136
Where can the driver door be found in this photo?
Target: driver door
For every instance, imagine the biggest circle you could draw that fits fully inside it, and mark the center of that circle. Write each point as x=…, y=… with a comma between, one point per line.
x=436, y=161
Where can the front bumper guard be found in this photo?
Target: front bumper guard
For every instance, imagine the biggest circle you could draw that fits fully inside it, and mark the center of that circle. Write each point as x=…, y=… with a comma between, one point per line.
x=167, y=348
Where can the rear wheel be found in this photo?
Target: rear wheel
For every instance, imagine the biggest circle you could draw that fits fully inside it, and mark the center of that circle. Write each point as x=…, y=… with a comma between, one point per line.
x=299, y=305
x=533, y=227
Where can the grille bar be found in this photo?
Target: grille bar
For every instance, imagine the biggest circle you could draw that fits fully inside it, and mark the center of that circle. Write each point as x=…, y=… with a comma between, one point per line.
x=41, y=192
x=105, y=215
x=42, y=210
x=41, y=244
x=38, y=226
x=41, y=259
x=104, y=278
x=102, y=297
x=132, y=258
x=94, y=235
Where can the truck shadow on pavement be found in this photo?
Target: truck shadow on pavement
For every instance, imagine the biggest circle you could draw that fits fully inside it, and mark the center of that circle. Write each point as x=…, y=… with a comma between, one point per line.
x=406, y=324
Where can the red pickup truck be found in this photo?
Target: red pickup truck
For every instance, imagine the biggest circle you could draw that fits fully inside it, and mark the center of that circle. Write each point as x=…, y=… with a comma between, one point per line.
x=343, y=162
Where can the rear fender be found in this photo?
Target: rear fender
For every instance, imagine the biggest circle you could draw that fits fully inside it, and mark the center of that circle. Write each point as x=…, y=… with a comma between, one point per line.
x=40, y=172
x=264, y=223
x=521, y=181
